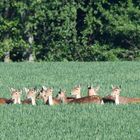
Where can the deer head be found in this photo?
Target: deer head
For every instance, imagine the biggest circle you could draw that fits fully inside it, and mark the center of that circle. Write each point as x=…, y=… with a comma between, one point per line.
x=31, y=94
x=116, y=93
x=62, y=95
x=45, y=93
x=16, y=95
x=92, y=91
x=76, y=91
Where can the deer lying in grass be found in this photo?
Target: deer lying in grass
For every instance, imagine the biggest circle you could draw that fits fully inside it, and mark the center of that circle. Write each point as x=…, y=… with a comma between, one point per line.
x=114, y=97
x=88, y=99
x=64, y=92
x=16, y=94
x=76, y=92
x=43, y=95
x=63, y=98
x=31, y=96
x=125, y=100
x=14, y=99
x=46, y=95
x=92, y=91
x=117, y=99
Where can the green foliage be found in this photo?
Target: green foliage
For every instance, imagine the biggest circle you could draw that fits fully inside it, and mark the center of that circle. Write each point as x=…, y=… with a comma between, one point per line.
x=62, y=30
x=88, y=121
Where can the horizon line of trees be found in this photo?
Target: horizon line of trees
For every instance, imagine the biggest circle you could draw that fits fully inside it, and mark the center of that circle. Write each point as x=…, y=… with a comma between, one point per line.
x=62, y=30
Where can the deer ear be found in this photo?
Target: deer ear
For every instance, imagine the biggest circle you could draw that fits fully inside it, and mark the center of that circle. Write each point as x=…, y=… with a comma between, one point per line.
x=26, y=90
x=79, y=86
x=12, y=89
x=112, y=86
x=97, y=88
x=20, y=91
x=44, y=88
x=37, y=90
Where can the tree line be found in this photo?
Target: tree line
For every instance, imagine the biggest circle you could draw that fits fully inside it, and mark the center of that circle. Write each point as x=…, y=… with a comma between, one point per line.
x=75, y=30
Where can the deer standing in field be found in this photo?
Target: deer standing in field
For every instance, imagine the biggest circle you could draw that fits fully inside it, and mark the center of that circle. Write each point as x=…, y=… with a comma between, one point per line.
x=76, y=92
x=31, y=96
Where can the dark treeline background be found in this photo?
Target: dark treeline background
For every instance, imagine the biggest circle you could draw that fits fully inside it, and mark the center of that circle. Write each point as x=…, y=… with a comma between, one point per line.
x=69, y=30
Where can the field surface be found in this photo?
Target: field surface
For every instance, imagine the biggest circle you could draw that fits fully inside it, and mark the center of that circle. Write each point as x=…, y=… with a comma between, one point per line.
x=70, y=122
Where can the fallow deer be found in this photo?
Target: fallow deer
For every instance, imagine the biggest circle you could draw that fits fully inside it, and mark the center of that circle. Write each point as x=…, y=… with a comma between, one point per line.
x=46, y=95
x=63, y=98
x=16, y=96
x=8, y=101
x=31, y=96
x=52, y=100
x=76, y=92
x=92, y=91
x=126, y=100
x=114, y=97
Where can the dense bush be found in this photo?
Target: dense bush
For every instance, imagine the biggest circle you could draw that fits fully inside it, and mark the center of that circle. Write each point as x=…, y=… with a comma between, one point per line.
x=70, y=30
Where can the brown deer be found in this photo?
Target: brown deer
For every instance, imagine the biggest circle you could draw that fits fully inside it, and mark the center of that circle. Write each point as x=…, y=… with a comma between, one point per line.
x=88, y=99
x=11, y=100
x=92, y=91
x=16, y=96
x=114, y=97
x=43, y=95
x=126, y=100
x=76, y=92
x=46, y=95
x=63, y=98
x=31, y=96
x=52, y=100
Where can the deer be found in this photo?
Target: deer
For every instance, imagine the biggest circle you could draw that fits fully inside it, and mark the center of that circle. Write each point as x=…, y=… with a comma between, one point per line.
x=16, y=95
x=62, y=96
x=11, y=100
x=88, y=99
x=127, y=100
x=92, y=91
x=76, y=92
x=114, y=97
x=43, y=95
x=46, y=95
x=31, y=96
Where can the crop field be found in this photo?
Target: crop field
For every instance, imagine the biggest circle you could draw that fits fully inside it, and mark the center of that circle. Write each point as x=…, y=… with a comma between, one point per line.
x=70, y=122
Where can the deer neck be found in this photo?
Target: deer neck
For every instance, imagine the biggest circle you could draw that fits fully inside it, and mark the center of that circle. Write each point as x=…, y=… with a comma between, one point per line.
x=45, y=100
x=33, y=101
x=117, y=100
x=50, y=100
x=17, y=100
x=64, y=99
x=102, y=102
x=78, y=96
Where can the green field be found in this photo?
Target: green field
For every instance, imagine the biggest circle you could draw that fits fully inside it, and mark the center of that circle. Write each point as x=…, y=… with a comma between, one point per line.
x=70, y=122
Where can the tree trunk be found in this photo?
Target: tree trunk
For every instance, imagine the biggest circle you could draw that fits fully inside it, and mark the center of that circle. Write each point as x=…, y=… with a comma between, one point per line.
x=31, y=57
x=7, y=57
